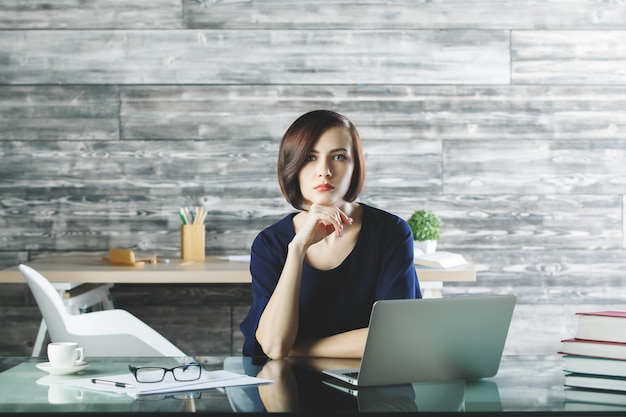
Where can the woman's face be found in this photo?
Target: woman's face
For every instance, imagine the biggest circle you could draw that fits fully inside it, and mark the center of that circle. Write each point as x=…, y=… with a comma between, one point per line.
x=325, y=176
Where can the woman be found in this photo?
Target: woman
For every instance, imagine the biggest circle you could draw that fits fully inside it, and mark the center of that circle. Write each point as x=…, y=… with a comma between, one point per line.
x=317, y=272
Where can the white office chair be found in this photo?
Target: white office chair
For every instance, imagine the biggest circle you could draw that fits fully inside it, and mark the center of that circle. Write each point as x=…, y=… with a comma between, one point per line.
x=101, y=333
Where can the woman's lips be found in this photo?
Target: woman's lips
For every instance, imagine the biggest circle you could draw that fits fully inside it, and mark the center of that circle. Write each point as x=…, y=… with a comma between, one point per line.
x=324, y=187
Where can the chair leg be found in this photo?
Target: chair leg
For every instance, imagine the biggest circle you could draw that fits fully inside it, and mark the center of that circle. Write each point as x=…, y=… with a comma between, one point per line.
x=38, y=348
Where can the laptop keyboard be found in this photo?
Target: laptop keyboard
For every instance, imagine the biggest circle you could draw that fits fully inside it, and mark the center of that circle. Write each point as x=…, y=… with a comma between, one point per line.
x=351, y=374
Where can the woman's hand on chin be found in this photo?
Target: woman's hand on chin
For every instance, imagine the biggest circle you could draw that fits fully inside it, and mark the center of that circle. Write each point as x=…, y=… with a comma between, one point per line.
x=321, y=221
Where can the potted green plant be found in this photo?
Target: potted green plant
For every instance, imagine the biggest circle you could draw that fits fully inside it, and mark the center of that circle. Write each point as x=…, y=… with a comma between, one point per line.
x=426, y=228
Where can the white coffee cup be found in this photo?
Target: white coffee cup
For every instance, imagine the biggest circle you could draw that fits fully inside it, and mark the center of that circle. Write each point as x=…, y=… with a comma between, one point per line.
x=65, y=354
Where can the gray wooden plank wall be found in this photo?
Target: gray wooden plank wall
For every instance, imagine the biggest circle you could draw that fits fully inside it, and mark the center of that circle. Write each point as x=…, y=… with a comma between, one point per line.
x=506, y=117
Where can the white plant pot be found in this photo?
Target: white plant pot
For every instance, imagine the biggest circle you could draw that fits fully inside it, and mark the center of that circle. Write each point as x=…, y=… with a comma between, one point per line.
x=424, y=246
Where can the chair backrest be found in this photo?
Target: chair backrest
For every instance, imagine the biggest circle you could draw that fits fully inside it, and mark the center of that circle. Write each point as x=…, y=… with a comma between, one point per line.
x=49, y=302
x=102, y=333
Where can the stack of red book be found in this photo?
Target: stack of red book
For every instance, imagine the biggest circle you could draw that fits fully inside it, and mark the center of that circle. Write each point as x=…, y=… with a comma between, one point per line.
x=596, y=357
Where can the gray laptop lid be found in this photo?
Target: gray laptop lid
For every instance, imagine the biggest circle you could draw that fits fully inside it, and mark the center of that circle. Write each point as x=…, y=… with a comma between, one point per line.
x=435, y=339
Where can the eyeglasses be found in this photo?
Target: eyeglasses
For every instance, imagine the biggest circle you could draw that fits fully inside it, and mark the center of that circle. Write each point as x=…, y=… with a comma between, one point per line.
x=189, y=372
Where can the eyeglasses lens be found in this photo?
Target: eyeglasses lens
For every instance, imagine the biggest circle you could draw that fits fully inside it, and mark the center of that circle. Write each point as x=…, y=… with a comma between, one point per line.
x=147, y=374
x=187, y=372
x=150, y=374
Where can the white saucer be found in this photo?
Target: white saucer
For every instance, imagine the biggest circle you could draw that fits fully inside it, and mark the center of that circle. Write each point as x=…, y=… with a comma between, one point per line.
x=47, y=367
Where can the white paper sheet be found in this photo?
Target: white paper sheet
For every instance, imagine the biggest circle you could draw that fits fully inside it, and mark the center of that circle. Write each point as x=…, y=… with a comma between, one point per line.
x=208, y=380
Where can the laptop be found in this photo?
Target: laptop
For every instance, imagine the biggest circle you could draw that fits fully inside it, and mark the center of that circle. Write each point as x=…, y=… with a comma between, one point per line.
x=430, y=340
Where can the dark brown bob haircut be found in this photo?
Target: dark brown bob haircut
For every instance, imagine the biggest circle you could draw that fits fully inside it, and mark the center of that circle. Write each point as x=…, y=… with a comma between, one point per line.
x=298, y=142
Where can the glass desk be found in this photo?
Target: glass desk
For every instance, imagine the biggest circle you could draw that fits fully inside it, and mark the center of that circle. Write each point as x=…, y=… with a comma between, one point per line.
x=523, y=385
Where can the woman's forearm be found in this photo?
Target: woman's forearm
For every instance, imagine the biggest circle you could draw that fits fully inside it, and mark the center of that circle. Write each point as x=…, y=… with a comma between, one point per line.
x=343, y=345
x=278, y=325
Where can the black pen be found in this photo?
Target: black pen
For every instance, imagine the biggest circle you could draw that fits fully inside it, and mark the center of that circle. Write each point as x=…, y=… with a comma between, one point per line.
x=113, y=383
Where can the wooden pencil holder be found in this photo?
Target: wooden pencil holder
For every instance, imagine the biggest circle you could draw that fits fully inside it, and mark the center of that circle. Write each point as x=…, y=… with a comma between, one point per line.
x=192, y=241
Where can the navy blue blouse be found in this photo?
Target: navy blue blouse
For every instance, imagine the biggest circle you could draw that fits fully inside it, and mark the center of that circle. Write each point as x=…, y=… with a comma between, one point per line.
x=338, y=300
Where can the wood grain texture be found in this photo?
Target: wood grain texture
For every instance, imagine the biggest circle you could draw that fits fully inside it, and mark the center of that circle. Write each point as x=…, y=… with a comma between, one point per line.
x=59, y=113
x=240, y=192
x=78, y=219
x=538, y=329
x=239, y=313
x=568, y=57
x=380, y=112
x=404, y=14
x=530, y=222
x=101, y=14
x=281, y=14
x=624, y=221
x=535, y=167
x=208, y=332
x=191, y=295
x=557, y=276
x=10, y=258
x=261, y=57
x=198, y=317
x=102, y=194
x=19, y=328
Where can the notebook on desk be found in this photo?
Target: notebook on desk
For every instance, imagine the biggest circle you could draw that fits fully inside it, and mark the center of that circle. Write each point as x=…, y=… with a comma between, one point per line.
x=428, y=340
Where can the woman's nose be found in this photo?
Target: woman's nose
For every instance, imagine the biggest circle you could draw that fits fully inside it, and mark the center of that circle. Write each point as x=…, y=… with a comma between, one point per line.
x=324, y=170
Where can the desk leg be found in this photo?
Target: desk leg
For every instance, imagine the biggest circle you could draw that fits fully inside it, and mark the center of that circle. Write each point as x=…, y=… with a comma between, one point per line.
x=431, y=289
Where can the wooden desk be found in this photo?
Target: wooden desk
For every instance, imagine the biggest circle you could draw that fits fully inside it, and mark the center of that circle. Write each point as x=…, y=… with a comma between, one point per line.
x=69, y=271
x=432, y=279
x=72, y=270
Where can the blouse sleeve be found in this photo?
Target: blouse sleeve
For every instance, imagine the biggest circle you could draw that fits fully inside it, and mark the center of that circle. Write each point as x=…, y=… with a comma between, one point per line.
x=266, y=263
x=398, y=278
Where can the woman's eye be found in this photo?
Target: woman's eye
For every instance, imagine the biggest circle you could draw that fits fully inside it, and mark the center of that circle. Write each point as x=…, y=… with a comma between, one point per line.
x=310, y=158
x=340, y=157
